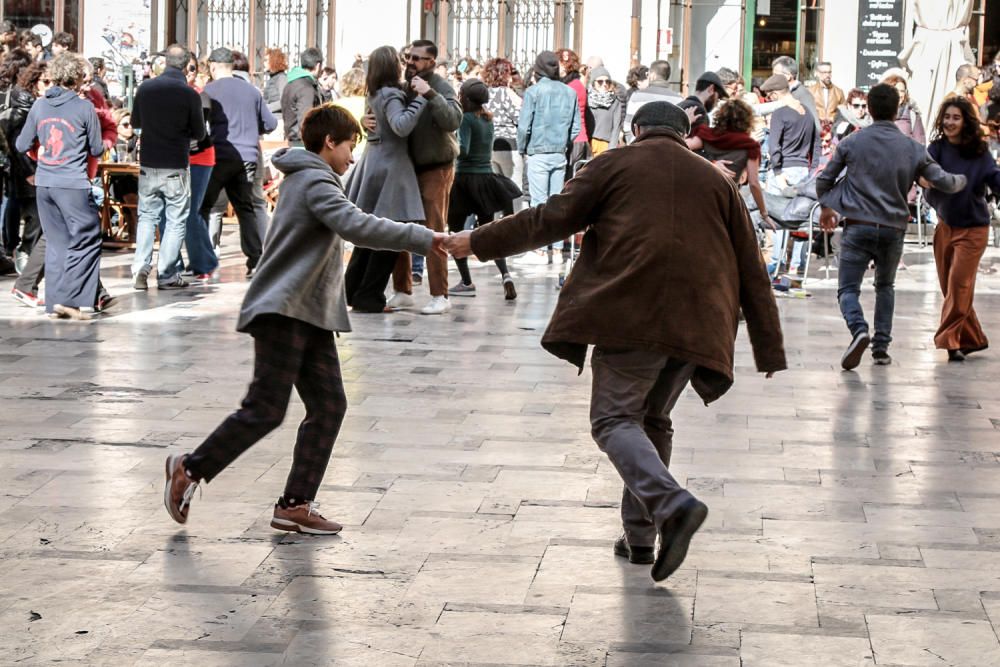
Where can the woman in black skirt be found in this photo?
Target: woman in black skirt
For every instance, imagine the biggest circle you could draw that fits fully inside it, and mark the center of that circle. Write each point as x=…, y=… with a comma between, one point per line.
x=478, y=190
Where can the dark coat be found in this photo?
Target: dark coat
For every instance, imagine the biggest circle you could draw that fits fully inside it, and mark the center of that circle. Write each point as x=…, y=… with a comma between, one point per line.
x=273, y=90
x=668, y=260
x=21, y=166
x=300, y=95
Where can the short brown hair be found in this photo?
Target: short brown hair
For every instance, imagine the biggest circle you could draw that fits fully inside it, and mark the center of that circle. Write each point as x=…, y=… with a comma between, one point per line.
x=328, y=120
x=858, y=94
x=734, y=115
x=67, y=70
x=64, y=39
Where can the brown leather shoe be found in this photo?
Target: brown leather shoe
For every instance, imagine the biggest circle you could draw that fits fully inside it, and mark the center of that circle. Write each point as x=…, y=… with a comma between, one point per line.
x=304, y=518
x=179, y=488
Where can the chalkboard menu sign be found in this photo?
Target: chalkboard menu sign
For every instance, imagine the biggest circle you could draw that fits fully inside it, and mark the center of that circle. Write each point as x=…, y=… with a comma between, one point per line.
x=880, y=39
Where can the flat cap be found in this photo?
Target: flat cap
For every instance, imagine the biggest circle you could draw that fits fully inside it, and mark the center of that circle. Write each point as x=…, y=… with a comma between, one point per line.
x=662, y=114
x=774, y=83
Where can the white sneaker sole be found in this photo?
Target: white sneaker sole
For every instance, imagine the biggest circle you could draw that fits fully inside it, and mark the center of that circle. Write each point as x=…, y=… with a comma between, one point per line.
x=292, y=527
x=400, y=305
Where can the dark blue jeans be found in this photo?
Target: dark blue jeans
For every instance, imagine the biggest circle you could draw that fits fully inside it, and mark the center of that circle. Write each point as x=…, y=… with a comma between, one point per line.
x=861, y=245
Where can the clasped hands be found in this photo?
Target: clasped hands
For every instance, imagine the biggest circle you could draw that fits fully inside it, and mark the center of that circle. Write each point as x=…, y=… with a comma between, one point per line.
x=457, y=245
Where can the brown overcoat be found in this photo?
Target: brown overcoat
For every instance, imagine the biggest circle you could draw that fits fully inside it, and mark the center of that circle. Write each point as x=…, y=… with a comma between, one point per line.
x=668, y=259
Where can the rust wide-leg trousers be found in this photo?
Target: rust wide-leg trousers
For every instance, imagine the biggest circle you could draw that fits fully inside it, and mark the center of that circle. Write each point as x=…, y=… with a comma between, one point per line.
x=957, y=251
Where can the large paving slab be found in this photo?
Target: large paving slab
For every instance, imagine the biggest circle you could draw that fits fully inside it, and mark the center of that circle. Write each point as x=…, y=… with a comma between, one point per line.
x=855, y=517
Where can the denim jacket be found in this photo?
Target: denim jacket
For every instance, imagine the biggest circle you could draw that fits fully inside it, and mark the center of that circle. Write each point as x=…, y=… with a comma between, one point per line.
x=549, y=118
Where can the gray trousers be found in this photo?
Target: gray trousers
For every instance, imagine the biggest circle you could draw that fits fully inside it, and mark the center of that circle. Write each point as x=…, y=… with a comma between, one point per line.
x=633, y=394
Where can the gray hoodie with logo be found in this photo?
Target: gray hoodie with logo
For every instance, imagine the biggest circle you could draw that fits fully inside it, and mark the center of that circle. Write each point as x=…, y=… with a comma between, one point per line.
x=68, y=132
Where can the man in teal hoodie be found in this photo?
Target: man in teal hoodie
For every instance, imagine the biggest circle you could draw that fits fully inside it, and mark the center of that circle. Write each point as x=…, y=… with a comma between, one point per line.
x=301, y=93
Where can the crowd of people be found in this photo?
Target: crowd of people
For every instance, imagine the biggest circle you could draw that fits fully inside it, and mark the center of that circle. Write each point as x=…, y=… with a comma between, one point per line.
x=410, y=160
x=446, y=146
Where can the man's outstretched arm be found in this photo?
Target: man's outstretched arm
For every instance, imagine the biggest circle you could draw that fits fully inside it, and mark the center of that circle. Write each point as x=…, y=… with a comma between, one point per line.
x=562, y=215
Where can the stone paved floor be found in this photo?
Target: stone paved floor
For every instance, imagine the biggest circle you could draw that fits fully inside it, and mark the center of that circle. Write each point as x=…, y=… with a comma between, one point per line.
x=855, y=517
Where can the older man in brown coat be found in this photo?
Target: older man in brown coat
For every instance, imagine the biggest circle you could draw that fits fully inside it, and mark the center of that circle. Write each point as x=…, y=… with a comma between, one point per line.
x=657, y=319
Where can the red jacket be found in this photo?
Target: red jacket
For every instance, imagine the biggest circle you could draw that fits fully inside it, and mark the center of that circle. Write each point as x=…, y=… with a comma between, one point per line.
x=109, y=129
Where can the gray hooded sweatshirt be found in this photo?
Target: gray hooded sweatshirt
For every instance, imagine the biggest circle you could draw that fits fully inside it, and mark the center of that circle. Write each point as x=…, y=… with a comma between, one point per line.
x=301, y=273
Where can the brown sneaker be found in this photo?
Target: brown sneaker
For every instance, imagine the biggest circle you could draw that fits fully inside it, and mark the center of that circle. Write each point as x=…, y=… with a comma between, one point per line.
x=304, y=518
x=179, y=488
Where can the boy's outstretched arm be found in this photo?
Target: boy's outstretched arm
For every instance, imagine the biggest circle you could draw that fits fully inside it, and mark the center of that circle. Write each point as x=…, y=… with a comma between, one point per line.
x=331, y=206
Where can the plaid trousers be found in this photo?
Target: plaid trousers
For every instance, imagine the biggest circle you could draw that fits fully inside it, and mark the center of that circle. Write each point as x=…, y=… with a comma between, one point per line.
x=288, y=352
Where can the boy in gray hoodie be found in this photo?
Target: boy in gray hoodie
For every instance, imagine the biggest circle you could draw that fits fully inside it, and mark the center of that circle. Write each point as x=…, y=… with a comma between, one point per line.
x=293, y=307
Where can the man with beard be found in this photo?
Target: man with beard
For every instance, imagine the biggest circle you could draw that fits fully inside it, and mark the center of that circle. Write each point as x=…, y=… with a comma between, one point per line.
x=828, y=96
x=433, y=149
x=707, y=92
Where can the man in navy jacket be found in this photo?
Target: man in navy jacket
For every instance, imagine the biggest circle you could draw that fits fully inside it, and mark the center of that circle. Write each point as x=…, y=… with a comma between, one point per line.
x=167, y=112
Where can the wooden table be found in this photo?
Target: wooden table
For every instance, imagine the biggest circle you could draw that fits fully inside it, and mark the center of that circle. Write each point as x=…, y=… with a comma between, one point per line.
x=122, y=236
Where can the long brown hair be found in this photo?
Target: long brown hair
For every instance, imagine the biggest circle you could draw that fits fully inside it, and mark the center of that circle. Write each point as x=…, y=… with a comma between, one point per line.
x=971, y=142
x=468, y=106
x=383, y=70
x=497, y=72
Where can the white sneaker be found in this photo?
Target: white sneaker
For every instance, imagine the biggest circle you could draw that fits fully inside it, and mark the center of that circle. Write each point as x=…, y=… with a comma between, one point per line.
x=438, y=305
x=400, y=300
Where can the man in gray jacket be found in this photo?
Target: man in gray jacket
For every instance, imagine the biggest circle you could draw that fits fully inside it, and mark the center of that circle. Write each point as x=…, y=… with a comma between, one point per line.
x=789, y=68
x=658, y=91
x=872, y=198
x=292, y=308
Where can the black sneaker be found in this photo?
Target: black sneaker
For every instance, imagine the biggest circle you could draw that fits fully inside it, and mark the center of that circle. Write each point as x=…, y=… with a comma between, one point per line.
x=854, y=352
x=956, y=355
x=881, y=358
x=637, y=555
x=675, y=537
